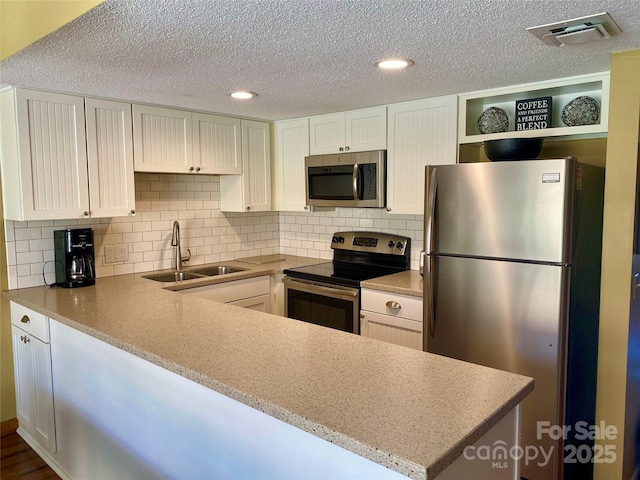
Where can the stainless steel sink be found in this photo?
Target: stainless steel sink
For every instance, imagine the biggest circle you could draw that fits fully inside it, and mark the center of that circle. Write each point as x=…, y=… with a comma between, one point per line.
x=174, y=276
x=193, y=274
x=217, y=270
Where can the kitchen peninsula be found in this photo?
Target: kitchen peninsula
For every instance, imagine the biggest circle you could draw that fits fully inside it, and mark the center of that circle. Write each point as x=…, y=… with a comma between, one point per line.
x=151, y=382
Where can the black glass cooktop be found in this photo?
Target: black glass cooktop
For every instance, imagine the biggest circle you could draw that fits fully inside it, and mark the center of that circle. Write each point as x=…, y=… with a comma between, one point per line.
x=337, y=273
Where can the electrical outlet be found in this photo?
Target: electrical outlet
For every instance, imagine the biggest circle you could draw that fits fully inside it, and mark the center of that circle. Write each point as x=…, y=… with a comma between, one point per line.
x=116, y=253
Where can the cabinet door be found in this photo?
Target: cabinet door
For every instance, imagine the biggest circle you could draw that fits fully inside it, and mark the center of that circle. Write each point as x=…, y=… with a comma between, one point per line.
x=51, y=155
x=366, y=129
x=250, y=191
x=110, y=158
x=397, y=330
x=261, y=303
x=292, y=145
x=34, y=388
x=162, y=140
x=216, y=144
x=327, y=134
x=23, y=373
x=420, y=133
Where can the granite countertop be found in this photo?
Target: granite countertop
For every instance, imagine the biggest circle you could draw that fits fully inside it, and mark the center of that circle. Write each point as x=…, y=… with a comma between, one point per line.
x=408, y=410
x=405, y=283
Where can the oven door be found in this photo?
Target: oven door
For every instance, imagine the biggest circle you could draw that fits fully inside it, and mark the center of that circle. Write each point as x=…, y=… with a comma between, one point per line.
x=324, y=304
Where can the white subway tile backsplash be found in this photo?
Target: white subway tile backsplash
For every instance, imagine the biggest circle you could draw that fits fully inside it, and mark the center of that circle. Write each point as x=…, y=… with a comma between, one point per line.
x=29, y=233
x=212, y=235
x=29, y=257
x=11, y=253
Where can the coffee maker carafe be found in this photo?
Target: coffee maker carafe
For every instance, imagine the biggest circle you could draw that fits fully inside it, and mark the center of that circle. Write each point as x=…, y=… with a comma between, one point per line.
x=75, y=258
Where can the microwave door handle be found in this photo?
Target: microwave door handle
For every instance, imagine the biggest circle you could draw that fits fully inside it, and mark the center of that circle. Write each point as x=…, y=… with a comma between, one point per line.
x=355, y=181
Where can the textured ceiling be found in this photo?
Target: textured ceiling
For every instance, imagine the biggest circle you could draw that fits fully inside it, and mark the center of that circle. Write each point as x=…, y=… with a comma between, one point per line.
x=309, y=57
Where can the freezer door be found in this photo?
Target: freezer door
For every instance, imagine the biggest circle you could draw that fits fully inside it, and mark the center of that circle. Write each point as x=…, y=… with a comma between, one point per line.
x=510, y=316
x=517, y=210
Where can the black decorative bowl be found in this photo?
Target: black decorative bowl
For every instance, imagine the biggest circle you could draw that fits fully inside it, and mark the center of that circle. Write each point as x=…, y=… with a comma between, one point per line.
x=512, y=149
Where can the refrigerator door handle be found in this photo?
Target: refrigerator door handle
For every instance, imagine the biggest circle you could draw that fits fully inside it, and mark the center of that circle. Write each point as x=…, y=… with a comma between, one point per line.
x=431, y=182
x=430, y=208
x=429, y=307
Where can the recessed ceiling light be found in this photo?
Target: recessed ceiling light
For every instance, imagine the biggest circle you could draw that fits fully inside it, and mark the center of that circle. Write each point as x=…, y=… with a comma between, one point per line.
x=242, y=95
x=393, y=63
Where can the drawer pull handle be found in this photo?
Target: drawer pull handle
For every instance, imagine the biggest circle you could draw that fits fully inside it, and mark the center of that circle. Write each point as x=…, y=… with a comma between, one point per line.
x=393, y=304
x=24, y=339
x=25, y=319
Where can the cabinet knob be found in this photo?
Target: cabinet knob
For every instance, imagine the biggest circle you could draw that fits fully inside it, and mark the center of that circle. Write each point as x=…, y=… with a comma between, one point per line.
x=133, y=212
x=248, y=208
x=197, y=169
x=346, y=149
x=306, y=207
x=341, y=149
x=25, y=319
x=191, y=169
x=388, y=209
x=393, y=304
x=86, y=214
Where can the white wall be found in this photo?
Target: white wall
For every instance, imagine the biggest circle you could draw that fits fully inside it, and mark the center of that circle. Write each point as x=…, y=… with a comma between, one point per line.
x=212, y=235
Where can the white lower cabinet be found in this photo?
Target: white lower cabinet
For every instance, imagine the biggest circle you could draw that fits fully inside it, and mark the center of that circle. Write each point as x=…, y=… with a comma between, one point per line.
x=33, y=377
x=261, y=303
x=392, y=317
x=252, y=293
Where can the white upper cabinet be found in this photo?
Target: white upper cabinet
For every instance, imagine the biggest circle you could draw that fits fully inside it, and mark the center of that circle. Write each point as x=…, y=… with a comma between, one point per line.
x=355, y=131
x=420, y=133
x=162, y=140
x=292, y=145
x=110, y=158
x=52, y=168
x=250, y=191
x=167, y=140
x=44, y=157
x=216, y=144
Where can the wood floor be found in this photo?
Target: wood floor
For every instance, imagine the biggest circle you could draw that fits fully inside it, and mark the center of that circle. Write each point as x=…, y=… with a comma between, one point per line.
x=18, y=460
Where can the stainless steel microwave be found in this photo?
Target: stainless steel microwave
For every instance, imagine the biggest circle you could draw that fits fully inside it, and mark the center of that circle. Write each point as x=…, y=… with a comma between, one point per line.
x=354, y=179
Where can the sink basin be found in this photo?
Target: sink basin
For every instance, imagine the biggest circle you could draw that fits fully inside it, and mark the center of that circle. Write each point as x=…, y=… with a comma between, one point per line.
x=217, y=270
x=174, y=276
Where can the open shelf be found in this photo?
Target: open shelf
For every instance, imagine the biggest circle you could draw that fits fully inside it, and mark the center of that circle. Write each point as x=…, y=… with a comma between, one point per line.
x=562, y=91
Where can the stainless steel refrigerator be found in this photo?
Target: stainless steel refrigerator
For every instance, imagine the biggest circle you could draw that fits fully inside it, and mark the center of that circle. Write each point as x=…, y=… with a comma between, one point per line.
x=512, y=281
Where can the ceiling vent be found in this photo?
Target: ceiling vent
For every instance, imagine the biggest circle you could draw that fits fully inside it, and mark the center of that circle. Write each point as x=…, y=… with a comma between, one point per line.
x=578, y=30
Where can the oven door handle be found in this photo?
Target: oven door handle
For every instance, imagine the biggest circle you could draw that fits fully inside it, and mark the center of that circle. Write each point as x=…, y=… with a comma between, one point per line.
x=309, y=287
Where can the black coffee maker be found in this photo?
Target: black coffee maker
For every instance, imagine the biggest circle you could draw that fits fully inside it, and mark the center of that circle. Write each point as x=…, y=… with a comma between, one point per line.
x=75, y=258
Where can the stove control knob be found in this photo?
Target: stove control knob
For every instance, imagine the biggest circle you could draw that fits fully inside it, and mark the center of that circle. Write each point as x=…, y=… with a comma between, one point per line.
x=399, y=246
x=334, y=240
x=391, y=244
x=341, y=239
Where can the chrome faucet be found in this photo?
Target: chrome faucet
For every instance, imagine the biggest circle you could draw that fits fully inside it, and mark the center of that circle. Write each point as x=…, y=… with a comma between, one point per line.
x=175, y=242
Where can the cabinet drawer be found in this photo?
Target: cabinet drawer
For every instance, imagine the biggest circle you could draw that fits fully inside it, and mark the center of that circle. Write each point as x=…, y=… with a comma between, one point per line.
x=407, y=333
x=381, y=302
x=31, y=322
x=232, y=291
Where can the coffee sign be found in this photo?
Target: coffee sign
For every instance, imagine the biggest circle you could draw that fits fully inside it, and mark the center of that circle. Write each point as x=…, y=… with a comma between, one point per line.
x=533, y=114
